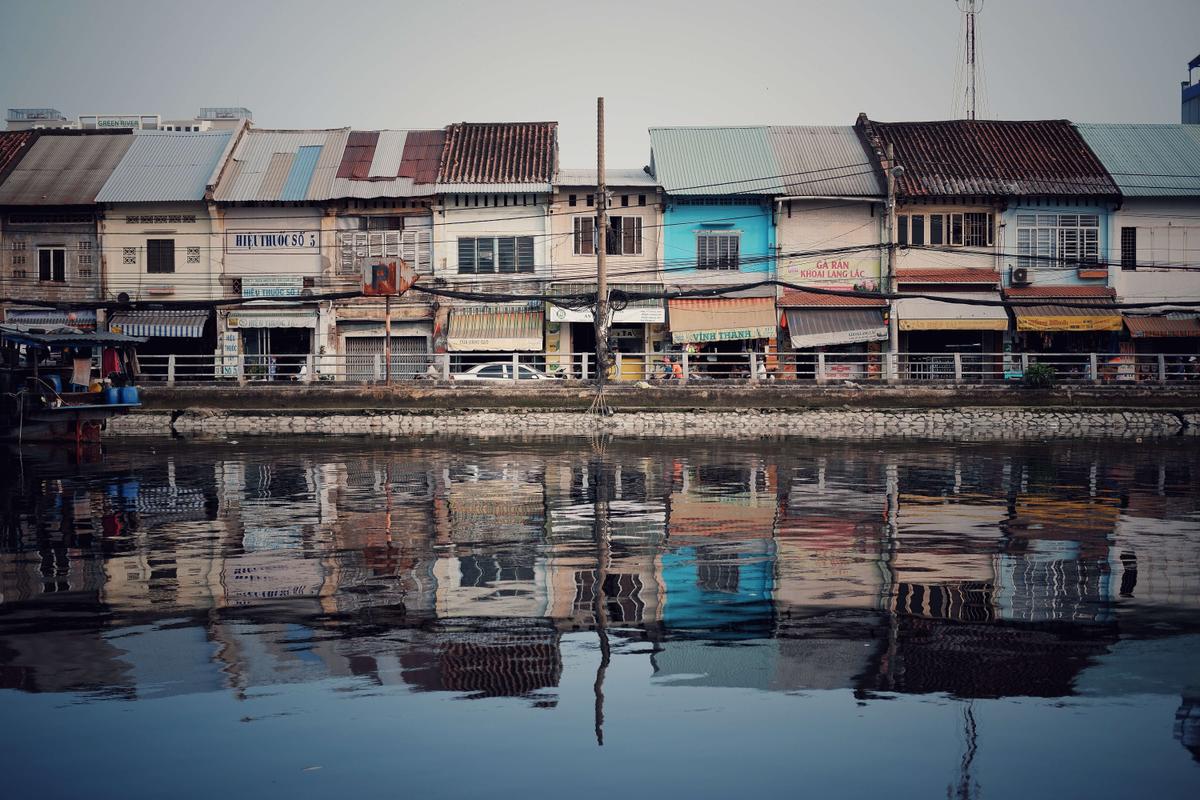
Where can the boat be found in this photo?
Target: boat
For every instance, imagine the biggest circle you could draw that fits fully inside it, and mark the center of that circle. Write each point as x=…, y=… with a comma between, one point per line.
x=63, y=384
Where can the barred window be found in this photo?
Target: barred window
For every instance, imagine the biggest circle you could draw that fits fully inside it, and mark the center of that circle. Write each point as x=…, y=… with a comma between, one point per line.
x=717, y=251
x=1129, y=248
x=1070, y=240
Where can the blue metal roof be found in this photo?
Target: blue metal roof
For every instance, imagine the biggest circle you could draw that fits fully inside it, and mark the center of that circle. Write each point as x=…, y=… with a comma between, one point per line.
x=301, y=173
x=1148, y=160
x=165, y=166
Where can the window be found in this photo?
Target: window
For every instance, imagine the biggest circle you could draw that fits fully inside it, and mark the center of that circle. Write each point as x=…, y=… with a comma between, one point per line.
x=917, y=236
x=193, y=255
x=1069, y=239
x=585, y=236
x=956, y=228
x=978, y=229
x=572, y=200
x=935, y=229
x=382, y=223
x=902, y=230
x=481, y=255
x=717, y=251
x=624, y=201
x=641, y=199
x=160, y=255
x=591, y=199
x=129, y=256
x=1129, y=248
x=624, y=236
x=52, y=264
x=525, y=373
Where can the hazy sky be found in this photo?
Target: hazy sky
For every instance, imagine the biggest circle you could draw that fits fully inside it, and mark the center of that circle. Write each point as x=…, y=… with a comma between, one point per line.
x=424, y=64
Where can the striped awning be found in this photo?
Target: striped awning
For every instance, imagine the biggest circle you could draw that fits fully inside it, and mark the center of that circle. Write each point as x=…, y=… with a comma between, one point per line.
x=722, y=319
x=817, y=327
x=489, y=330
x=172, y=323
x=1163, y=325
x=49, y=318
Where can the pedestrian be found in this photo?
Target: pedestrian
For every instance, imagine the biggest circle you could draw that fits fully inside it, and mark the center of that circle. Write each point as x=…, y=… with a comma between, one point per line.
x=676, y=370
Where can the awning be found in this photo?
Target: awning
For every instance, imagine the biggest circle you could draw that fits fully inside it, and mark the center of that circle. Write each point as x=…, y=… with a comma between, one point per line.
x=173, y=323
x=1163, y=325
x=49, y=318
x=297, y=318
x=922, y=314
x=722, y=319
x=815, y=327
x=494, y=330
x=1066, y=318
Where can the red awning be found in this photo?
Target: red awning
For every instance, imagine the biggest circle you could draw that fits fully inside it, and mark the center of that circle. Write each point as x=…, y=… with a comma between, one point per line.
x=1163, y=325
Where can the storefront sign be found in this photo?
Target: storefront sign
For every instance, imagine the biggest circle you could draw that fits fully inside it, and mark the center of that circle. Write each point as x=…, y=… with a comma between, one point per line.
x=272, y=242
x=840, y=337
x=858, y=273
x=271, y=319
x=727, y=335
x=229, y=350
x=272, y=286
x=636, y=314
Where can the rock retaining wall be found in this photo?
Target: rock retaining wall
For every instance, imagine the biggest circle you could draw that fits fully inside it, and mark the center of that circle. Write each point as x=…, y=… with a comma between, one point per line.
x=975, y=423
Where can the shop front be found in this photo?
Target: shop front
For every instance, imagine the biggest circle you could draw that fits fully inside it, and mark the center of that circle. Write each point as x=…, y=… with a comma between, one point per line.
x=933, y=332
x=849, y=331
x=1173, y=336
x=276, y=343
x=636, y=329
x=483, y=334
x=363, y=347
x=1067, y=324
x=720, y=333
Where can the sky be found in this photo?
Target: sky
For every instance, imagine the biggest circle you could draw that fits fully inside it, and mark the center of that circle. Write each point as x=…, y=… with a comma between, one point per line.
x=370, y=65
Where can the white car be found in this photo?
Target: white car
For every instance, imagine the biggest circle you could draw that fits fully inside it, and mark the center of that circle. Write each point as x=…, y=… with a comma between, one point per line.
x=500, y=371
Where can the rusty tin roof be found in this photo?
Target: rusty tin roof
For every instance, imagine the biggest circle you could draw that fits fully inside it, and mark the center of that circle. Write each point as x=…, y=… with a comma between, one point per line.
x=521, y=154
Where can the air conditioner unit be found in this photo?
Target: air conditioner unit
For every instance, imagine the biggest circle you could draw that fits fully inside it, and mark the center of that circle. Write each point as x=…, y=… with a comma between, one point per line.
x=1020, y=276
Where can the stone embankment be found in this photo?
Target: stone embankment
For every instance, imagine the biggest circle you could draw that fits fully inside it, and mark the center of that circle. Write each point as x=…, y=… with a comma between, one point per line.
x=974, y=423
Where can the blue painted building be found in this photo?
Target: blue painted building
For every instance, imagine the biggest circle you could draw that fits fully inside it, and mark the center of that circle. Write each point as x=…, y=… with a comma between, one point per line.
x=719, y=186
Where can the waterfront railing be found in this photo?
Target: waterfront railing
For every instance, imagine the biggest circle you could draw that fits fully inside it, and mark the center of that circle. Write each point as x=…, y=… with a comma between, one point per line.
x=681, y=368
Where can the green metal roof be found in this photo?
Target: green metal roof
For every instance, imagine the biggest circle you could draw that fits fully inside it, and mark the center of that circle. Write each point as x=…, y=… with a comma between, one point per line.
x=715, y=161
x=1148, y=160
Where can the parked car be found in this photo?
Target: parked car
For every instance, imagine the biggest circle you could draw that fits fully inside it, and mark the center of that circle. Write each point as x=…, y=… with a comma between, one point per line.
x=500, y=371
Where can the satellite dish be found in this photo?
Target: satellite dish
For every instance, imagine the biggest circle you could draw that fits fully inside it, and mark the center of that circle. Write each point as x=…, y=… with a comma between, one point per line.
x=123, y=297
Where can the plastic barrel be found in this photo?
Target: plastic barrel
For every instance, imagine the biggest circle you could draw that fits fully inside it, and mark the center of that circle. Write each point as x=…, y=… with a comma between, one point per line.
x=129, y=395
x=112, y=395
x=55, y=381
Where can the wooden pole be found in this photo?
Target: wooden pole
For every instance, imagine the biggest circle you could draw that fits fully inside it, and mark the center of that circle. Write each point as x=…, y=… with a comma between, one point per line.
x=601, y=250
x=387, y=339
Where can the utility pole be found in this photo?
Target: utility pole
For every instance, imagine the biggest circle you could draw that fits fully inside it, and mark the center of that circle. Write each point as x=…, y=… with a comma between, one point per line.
x=889, y=284
x=601, y=251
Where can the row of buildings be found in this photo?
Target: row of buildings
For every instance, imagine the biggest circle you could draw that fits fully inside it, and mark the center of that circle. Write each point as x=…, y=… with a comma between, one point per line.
x=136, y=230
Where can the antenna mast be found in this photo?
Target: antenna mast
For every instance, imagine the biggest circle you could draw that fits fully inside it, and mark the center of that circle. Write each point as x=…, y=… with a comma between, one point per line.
x=970, y=8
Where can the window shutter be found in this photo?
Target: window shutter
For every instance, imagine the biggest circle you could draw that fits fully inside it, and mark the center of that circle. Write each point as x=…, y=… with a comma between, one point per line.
x=466, y=255
x=408, y=248
x=424, y=250
x=525, y=261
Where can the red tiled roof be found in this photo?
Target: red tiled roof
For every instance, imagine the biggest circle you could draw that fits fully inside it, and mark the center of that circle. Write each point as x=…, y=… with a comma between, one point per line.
x=959, y=275
x=12, y=144
x=798, y=298
x=1059, y=292
x=989, y=158
x=503, y=152
x=1154, y=326
x=422, y=156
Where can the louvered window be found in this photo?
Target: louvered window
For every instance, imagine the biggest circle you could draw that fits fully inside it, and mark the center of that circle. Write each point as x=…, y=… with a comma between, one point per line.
x=483, y=255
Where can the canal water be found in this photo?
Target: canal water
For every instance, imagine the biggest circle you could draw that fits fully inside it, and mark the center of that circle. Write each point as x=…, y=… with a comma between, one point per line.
x=527, y=618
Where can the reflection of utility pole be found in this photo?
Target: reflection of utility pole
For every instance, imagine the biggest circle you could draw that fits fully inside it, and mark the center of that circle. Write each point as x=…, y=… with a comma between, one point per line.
x=967, y=786
x=600, y=532
x=887, y=565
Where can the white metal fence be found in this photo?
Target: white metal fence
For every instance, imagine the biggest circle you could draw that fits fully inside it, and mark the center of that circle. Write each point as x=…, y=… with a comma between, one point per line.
x=1123, y=369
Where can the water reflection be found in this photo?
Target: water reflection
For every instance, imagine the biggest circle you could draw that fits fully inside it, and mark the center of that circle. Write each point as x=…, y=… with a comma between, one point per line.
x=521, y=570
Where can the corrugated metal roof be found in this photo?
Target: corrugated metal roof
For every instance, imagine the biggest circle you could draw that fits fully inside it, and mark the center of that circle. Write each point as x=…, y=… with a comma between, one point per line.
x=304, y=164
x=715, y=161
x=485, y=188
x=500, y=153
x=614, y=177
x=949, y=275
x=1148, y=160
x=801, y=299
x=64, y=168
x=1036, y=292
x=165, y=166
x=1163, y=325
x=275, y=151
x=12, y=145
x=392, y=163
x=990, y=158
x=824, y=160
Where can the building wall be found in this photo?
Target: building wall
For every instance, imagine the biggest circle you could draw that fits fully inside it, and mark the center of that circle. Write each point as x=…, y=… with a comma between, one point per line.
x=1168, y=233
x=641, y=268
x=683, y=222
x=525, y=215
x=808, y=225
x=27, y=230
x=124, y=231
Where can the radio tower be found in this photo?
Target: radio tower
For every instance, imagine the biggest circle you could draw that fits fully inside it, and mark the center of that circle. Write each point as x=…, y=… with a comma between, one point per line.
x=970, y=8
